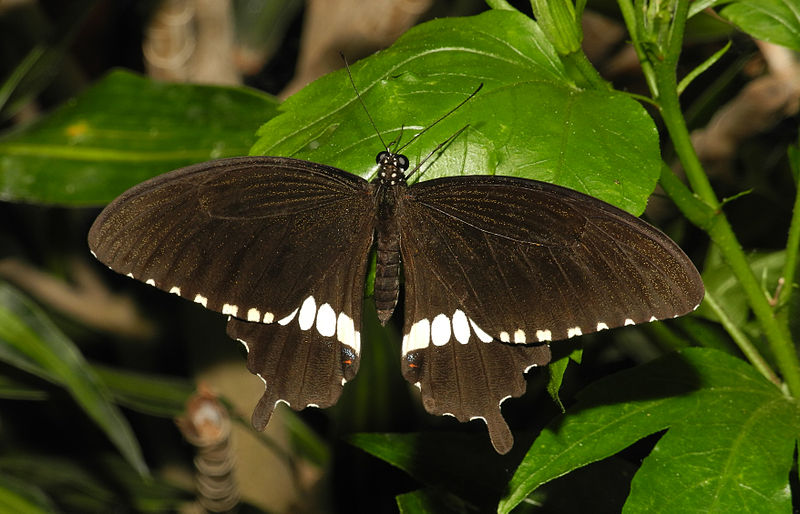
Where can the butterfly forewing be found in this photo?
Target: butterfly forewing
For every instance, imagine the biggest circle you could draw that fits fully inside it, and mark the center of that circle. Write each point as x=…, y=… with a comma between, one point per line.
x=498, y=263
x=278, y=244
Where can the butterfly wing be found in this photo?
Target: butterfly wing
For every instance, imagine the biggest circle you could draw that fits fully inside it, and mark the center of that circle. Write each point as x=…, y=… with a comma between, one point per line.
x=496, y=267
x=279, y=245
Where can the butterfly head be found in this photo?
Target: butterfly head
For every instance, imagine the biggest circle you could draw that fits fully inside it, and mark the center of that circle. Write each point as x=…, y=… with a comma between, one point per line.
x=392, y=168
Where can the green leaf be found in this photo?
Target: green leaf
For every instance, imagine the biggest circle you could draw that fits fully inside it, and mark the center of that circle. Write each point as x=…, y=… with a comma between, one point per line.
x=66, y=481
x=146, y=393
x=154, y=395
x=556, y=370
x=685, y=81
x=776, y=21
x=529, y=120
x=50, y=54
x=28, y=336
x=432, y=501
x=122, y=131
x=458, y=464
x=557, y=19
x=18, y=74
x=13, y=389
x=102, y=486
x=728, y=445
x=21, y=497
x=698, y=6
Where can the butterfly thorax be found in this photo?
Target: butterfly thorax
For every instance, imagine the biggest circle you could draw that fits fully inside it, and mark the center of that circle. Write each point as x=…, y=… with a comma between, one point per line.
x=390, y=182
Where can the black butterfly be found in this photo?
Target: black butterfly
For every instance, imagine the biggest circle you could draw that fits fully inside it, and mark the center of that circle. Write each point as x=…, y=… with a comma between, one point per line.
x=495, y=268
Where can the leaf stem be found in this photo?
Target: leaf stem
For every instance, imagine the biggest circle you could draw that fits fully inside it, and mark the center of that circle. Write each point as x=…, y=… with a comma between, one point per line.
x=742, y=340
x=579, y=60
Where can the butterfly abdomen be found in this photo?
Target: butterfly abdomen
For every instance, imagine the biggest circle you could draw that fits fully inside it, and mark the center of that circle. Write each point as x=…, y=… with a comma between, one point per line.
x=387, y=277
x=387, y=268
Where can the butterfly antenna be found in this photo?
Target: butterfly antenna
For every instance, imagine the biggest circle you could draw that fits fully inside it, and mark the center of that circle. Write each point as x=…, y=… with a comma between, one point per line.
x=445, y=115
x=396, y=141
x=438, y=147
x=358, y=95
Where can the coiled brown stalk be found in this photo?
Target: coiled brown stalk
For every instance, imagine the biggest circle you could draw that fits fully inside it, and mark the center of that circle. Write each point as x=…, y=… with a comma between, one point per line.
x=207, y=426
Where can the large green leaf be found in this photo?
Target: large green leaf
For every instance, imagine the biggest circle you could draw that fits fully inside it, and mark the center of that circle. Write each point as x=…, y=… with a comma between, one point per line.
x=30, y=341
x=776, y=21
x=529, y=120
x=123, y=131
x=728, y=445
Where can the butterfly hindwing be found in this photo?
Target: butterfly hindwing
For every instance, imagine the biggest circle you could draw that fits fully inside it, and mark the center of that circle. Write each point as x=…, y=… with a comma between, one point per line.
x=279, y=245
x=305, y=363
x=496, y=267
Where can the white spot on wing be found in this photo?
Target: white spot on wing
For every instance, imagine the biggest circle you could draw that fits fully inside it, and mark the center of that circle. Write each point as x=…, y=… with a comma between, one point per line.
x=202, y=300
x=483, y=336
x=505, y=337
x=418, y=337
x=544, y=335
x=307, y=313
x=440, y=330
x=629, y=322
x=574, y=331
x=601, y=326
x=246, y=346
x=150, y=282
x=230, y=309
x=652, y=319
x=253, y=315
x=268, y=317
x=519, y=336
x=529, y=367
x=460, y=326
x=175, y=290
x=131, y=275
x=345, y=332
x=326, y=320
x=288, y=319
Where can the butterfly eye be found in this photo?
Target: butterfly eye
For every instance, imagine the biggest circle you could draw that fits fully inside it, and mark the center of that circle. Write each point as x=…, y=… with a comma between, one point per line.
x=401, y=161
x=382, y=157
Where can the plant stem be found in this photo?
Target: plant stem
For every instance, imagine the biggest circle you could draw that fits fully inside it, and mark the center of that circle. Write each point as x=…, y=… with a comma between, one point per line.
x=742, y=341
x=632, y=22
x=588, y=72
x=718, y=228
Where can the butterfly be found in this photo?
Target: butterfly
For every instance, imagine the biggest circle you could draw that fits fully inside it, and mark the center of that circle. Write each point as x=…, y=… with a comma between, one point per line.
x=495, y=268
